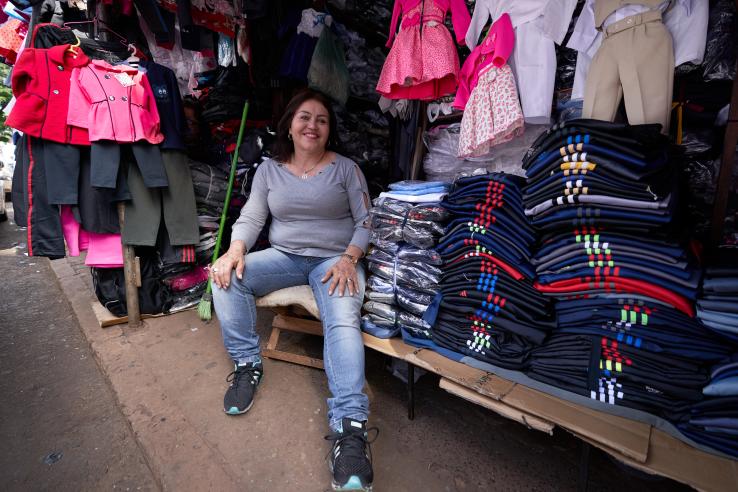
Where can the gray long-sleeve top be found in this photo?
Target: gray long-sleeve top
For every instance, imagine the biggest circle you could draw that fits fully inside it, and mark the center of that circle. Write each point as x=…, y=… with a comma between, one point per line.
x=319, y=216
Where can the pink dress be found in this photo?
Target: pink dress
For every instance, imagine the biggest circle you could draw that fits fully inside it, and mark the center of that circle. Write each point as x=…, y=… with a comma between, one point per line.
x=423, y=62
x=488, y=95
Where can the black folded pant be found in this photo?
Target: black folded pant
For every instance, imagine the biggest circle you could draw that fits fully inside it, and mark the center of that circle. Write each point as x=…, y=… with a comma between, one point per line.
x=106, y=157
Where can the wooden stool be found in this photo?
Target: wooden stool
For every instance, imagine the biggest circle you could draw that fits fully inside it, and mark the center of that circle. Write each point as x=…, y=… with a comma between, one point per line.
x=296, y=310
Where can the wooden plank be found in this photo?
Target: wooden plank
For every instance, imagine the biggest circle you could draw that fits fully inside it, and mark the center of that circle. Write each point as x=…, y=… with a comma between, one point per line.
x=303, y=360
x=628, y=437
x=669, y=457
x=394, y=347
x=528, y=420
x=107, y=319
x=300, y=325
x=482, y=382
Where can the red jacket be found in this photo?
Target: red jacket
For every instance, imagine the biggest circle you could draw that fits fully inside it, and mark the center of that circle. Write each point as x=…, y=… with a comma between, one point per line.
x=41, y=88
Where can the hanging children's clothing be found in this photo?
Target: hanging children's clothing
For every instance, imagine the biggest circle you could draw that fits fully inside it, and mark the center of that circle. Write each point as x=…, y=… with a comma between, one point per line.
x=679, y=26
x=538, y=24
x=12, y=34
x=176, y=203
x=487, y=94
x=41, y=82
x=423, y=62
x=299, y=52
x=116, y=105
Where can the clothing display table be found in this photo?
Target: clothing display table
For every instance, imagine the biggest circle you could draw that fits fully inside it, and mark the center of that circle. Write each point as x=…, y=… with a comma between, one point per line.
x=638, y=444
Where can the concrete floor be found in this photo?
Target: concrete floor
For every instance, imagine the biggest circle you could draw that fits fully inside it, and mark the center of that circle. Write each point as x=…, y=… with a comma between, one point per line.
x=165, y=411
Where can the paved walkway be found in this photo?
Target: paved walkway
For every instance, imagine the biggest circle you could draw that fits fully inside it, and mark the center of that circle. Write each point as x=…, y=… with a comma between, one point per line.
x=60, y=424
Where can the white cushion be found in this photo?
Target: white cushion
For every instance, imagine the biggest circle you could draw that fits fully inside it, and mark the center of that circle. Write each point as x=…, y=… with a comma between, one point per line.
x=301, y=295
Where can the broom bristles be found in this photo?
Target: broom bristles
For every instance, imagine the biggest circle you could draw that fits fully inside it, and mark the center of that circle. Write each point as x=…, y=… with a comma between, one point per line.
x=205, y=308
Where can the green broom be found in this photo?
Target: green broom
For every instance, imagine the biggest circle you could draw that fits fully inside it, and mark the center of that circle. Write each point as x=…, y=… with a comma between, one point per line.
x=205, y=308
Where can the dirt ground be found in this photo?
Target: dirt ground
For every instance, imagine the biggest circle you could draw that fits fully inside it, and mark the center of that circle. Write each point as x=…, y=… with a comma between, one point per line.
x=142, y=409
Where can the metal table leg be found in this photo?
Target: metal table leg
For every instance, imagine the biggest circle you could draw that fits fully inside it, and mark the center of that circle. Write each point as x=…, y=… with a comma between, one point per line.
x=583, y=485
x=410, y=391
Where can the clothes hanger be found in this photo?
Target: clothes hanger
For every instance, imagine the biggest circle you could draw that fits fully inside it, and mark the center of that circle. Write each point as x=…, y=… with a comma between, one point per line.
x=133, y=60
x=73, y=48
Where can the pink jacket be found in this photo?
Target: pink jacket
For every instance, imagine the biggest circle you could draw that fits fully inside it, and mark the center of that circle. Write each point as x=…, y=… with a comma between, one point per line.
x=100, y=102
x=460, y=17
x=494, y=50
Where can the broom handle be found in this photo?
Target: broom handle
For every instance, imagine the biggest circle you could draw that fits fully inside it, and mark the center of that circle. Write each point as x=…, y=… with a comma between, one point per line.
x=231, y=178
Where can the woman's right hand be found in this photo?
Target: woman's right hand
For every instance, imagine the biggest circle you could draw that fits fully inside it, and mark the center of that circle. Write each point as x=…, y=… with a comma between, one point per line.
x=220, y=271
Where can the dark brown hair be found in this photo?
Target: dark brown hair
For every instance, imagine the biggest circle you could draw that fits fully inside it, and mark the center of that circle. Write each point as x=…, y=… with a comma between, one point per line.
x=283, y=147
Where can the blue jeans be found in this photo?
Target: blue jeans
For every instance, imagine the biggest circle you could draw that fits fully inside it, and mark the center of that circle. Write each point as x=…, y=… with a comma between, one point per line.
x=343, y=348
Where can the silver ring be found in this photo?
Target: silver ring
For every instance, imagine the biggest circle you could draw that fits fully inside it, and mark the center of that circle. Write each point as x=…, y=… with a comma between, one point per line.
x=214, y=270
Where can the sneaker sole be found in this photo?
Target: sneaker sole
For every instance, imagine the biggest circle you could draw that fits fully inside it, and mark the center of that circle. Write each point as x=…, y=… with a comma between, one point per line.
x=236, y=411
x=354, y=483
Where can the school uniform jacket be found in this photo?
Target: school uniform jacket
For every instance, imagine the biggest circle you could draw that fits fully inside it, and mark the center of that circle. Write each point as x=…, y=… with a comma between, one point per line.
x=114, y=102
x=41, y=80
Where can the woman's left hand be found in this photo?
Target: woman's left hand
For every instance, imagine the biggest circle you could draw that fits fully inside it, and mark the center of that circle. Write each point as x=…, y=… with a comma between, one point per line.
x=342, y=275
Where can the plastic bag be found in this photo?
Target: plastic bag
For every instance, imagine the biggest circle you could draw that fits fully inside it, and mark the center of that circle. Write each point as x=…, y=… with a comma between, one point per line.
x=442, y=164
x=328, y=72
x=407, y=276
x=720, y=50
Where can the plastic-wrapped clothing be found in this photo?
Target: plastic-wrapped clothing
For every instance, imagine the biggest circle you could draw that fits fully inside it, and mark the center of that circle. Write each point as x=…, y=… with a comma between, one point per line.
x=418, y=225
x=397, y=316
x=721, y=51
x=187, y=298
x=408, y=253
x=378, y=326
x=442, y=163
x=379, y=256
x=409, y=299
x=391, y=208
x=407, y=275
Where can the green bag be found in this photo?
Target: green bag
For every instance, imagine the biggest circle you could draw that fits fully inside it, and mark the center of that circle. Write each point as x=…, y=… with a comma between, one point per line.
x=328, y=72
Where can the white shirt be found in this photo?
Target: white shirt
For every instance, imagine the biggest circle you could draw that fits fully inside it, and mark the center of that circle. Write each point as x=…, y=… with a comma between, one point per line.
x=550, y=16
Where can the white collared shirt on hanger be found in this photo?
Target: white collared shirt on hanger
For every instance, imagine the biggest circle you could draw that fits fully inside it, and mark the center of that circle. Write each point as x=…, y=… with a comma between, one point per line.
x=538, y=25
x=686, y=20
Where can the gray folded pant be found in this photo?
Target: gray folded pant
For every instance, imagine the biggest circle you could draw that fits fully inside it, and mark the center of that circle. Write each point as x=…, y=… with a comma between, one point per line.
x=176, y=203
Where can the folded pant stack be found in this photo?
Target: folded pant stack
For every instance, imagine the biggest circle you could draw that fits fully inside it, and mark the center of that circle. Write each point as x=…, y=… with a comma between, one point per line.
x=714, y=421
x=601, y=194
x=488, y=308
x=603, y=197
x=403, y=271
x=718, y=306
x=628, y=352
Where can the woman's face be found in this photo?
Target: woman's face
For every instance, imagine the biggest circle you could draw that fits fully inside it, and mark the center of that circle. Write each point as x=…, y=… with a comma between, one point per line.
x=310, y=127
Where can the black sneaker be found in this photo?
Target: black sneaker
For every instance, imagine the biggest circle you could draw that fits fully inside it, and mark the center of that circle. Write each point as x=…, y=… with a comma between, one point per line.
x=350, y=460
x=240, y=395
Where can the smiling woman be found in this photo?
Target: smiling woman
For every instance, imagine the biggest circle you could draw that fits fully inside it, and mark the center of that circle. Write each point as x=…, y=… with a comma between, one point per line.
x=319, y=205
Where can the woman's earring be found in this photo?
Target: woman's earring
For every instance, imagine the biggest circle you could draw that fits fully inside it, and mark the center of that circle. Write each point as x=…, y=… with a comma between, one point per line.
x=289, y=136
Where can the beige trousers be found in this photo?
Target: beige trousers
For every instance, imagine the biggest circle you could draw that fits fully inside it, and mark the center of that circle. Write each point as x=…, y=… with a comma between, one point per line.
x=635, y=60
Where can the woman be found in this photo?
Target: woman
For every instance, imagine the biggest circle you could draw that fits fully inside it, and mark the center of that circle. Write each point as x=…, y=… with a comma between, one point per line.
x=319, y=205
